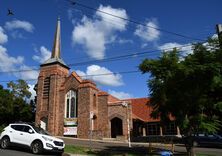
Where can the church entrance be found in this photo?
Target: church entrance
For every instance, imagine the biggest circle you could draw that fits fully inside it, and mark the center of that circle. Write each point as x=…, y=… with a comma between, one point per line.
x=116, y=127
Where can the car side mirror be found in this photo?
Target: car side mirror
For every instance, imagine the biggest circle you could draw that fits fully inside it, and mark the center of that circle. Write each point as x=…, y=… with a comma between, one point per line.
x=31, y=131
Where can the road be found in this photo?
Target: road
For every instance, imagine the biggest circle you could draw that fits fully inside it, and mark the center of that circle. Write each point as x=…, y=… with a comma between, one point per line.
x=137, y=147
x=140, y=149
x=18, y=151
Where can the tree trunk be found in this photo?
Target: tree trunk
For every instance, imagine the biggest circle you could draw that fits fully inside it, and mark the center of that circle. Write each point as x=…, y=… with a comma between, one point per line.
x=190, y=151
x=189, y=146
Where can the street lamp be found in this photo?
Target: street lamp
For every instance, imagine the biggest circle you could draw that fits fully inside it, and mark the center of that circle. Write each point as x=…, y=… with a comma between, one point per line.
x=125, y=104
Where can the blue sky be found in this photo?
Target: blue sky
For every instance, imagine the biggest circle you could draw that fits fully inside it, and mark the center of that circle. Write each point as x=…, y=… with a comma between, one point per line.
x=26, y=38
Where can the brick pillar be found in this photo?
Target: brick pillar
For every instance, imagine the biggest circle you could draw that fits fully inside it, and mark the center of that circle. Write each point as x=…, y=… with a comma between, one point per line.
x=83, y=113
x=103, y=121
x=39, y=100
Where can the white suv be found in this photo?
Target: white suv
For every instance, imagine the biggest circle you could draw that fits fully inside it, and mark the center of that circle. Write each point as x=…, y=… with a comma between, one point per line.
x=29, y=135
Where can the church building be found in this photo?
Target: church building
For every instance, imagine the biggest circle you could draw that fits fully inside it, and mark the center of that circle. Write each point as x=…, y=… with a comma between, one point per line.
x=68, y=105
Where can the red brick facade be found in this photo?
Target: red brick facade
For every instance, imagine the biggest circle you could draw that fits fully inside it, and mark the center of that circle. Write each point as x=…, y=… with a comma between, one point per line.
x=89, y=98
x=92, y=112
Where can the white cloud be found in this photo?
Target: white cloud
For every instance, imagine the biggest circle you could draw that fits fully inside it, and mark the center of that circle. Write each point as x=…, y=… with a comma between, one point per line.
x=185, y=48
x=32, y=91
x=9, y=63
x=44, y=55
x=101, y=75
x=17, y=34
x=81, y=73
x=116, y=12
x=27, y=73
x=3, y=36
x=70, y=13
x=148, y=32
x=94, y=34
x=120, y=95
x=124, y=41
x=17, y=24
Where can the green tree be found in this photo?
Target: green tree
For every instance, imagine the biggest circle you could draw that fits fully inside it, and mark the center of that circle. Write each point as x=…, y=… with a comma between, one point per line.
x=6, y=106
x=22, y=111
x=19, y=89
x=188, y=88
x=14, y=103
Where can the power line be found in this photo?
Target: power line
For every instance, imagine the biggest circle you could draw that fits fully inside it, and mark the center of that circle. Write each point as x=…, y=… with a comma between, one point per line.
x=133, y=21
x=115, y=58
x=87, y=76
x=111, y=73
x=104, y=19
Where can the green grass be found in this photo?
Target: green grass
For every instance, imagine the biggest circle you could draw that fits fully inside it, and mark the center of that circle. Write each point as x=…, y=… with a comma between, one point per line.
x=76, y=150
x=86, y=151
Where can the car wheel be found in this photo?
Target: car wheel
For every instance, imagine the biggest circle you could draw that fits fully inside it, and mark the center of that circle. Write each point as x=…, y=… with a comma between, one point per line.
x=36, y=147
x=5, y=142
x=195, y=144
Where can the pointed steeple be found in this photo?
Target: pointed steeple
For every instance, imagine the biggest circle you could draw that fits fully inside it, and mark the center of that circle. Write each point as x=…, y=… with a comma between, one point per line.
x=57, y=42
x=56, y=50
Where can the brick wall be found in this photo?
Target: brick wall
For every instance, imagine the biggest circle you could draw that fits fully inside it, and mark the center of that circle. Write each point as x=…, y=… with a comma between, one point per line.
x=47, y=106
x=117, y=110
x=89, y=100
x=102, y=123
x=83, y=112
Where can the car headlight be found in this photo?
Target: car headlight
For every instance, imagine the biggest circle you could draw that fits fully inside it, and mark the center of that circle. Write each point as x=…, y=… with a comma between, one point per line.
x=47, y=139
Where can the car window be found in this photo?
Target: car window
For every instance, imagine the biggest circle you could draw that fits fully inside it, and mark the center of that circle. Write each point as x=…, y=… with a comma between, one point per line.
x=211, y=136
x=201, y=135
x=26, y=129
x=17, y=127
x=40, y=130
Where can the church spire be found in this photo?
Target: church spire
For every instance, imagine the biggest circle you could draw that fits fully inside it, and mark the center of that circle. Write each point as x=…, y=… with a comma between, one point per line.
x=57, y=42
x=56, y=50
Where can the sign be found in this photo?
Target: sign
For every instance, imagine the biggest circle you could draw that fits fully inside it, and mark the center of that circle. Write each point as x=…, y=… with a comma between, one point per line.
x=70, y=121
x=70, y=130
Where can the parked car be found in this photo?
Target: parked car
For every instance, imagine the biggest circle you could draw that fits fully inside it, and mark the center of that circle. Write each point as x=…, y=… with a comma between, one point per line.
x=37, y=139
x=212, y=140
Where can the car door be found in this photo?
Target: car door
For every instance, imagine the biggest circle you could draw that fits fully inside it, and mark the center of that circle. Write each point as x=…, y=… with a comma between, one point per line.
x=28, y=136
x=212, y=140
x=17, y=133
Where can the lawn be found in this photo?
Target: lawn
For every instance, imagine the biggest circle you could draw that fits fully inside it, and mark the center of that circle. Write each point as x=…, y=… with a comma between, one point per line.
x=86, y=151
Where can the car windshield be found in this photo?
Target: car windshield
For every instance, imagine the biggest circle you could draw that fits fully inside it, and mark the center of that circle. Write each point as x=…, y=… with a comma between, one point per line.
x=40, y=130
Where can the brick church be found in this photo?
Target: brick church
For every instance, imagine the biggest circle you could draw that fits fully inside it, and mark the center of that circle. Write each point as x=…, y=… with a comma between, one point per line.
x=68, y=105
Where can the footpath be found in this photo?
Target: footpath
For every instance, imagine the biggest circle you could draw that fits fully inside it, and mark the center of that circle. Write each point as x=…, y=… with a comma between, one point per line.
x=117, y=147
x=140, y=149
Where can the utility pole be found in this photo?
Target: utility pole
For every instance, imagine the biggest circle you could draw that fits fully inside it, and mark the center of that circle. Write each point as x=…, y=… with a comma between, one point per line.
x=91, y=129
x=219, y=32
x=125, y=104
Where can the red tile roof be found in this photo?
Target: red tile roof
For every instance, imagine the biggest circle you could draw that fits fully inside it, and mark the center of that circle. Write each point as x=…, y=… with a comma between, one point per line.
x=141, y=109
x=113, y=99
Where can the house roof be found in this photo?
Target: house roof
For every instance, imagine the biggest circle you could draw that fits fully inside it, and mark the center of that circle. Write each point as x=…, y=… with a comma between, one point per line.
x=141, y=109
x=113, y=99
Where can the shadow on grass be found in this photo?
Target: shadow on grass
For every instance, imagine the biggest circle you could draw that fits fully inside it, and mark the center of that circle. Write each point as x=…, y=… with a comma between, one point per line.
x=120, y=151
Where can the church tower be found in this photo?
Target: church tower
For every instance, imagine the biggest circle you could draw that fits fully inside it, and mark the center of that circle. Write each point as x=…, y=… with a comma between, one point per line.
x=53, y=73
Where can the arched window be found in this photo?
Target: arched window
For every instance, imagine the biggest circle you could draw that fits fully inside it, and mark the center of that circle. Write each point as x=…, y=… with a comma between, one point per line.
x=71, y=105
